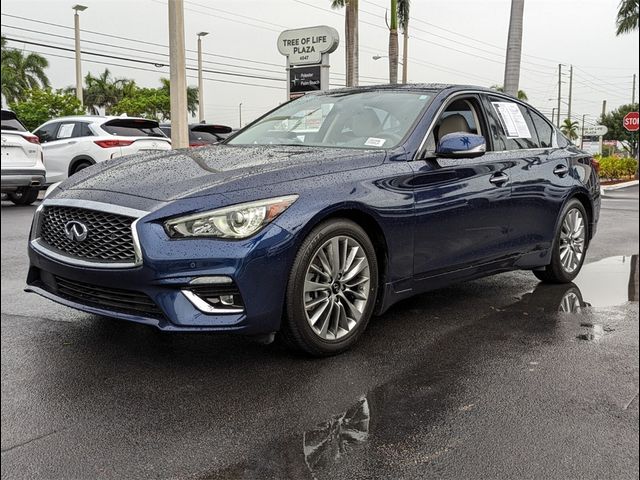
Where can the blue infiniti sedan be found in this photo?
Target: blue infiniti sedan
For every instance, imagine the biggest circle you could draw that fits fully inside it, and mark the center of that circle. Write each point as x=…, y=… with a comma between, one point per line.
x=320, y=214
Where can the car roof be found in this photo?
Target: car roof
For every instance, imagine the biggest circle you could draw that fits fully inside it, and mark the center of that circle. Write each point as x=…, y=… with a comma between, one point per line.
x=408, y=87
x=93, y=118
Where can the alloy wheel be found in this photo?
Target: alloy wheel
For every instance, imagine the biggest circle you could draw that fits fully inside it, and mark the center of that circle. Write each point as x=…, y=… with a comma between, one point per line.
x=572, y=240
x=336, y=288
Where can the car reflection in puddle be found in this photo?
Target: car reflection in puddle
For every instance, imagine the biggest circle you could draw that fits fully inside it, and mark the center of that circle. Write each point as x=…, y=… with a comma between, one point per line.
x=404, y=423
x=606, y=283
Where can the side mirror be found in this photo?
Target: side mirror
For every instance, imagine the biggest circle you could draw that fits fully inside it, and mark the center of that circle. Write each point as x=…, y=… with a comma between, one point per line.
x=461, y=145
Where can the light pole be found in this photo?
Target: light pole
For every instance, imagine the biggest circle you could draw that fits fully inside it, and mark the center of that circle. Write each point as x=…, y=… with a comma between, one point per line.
x=582, y=132
x=200, y=82
x=240, y=114
x=76, y=25
x=177, y=75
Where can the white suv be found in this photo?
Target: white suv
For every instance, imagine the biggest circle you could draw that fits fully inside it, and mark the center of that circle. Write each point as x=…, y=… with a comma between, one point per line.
x=22, y=170
x=73, y=143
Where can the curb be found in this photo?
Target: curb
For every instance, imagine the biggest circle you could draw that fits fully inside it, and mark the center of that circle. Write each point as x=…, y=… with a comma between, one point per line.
x=617, y=186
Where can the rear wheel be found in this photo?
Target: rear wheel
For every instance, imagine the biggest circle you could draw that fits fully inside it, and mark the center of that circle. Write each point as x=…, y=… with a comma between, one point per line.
x=569, y=247
x=332, y=289
x=80, y=166
x=24, y=196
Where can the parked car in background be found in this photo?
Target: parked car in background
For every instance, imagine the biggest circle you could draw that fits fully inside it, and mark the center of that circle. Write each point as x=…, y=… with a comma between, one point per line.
x=73, y=143
x=201, y=134
x=23, y=172
x=320, y=214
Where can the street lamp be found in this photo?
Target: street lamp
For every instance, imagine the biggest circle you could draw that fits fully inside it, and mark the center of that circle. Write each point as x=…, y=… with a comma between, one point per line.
x=378, y=57
x=240, y=114
x=76, y=24
x=200, y=82
x=582, y=132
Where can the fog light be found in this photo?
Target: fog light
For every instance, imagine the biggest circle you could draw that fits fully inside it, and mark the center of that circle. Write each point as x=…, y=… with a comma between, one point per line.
x=227, y=299
x=214, y=297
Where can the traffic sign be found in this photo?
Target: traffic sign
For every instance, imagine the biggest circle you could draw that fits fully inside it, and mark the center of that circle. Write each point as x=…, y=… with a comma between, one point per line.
x=631, y=121
x=595, y=131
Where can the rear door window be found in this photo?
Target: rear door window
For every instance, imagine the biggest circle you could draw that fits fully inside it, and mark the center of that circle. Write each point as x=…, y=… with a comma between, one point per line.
x=11, y=122
x=133, y=128
x=512, y=125
x=544, y=130
x=47, y=133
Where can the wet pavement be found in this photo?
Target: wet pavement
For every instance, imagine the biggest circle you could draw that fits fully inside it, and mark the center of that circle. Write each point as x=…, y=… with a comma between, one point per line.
x=497, y=378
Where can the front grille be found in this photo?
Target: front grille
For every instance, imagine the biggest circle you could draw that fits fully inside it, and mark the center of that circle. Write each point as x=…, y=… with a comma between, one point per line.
x=125, y=301
x=109, y=237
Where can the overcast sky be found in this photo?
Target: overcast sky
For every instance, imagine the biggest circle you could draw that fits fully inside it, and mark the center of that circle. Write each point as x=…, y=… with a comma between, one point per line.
x=452, y=41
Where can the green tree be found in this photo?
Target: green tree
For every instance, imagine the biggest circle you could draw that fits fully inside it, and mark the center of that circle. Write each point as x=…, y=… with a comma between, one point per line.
x=40, y=105
x=570, y=129
x=192, y=95
x=20, y=72
x=627, y=18
x=104, y=91
x=145, y=102
x=522, y=95
x=350, y=38
x=614, y=123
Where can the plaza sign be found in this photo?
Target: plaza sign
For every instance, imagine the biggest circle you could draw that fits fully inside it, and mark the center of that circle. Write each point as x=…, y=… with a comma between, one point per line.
x=595, y=131
x=305, y=46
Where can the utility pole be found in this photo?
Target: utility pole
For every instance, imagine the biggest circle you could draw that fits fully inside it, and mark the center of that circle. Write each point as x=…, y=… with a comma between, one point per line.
x=604, y=111
x=582, y=134
x=633, y=90
x=570, y=91
x=76, y=26
x=177, y=75
x=514, y=49
x=559, y=93
x=553, y=115
x=240, y=115
x=200, y=81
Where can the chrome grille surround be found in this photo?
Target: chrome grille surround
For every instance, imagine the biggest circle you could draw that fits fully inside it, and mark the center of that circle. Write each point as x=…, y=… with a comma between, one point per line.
x=112, y=241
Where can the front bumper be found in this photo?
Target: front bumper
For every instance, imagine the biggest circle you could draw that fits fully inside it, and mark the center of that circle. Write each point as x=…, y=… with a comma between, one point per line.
x=259, y=268
x=14, y=179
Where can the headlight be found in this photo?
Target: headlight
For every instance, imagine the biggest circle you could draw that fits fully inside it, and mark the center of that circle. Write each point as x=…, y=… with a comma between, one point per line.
x=237, y=221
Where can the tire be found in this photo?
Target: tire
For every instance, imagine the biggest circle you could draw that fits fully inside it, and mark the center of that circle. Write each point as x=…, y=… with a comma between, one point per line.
x=569, y=245
x=328, y=308
x=24, y=196
x=80, y=166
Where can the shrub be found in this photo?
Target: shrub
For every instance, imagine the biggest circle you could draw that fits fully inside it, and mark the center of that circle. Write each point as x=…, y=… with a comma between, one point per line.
x=616, y=168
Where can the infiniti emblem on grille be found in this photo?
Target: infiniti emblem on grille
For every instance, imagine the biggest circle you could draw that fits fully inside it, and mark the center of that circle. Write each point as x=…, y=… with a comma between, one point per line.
x=75, y=230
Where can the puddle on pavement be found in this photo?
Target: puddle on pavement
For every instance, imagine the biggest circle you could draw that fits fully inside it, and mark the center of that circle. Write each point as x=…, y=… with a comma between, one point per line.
x=379, y=422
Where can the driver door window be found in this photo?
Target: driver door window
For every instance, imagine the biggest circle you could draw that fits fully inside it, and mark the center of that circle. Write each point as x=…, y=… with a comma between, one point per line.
x=461, y=115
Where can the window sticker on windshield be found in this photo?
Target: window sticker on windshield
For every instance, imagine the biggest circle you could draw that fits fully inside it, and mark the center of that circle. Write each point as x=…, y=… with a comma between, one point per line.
x=65, y=130
x=374, y=142
x=512, y=120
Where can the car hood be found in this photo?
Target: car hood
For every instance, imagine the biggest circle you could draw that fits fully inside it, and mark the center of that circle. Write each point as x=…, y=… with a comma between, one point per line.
x=217, y=169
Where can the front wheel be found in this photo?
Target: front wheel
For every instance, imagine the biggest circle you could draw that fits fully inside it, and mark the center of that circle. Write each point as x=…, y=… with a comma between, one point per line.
x=24, y=196
x=332, y=289
x=569, y=246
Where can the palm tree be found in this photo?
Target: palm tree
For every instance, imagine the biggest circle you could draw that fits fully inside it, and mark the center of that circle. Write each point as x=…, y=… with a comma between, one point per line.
x=393, y=43
x=103, y=91
x=403, y=20
x=21, y=72
x=627, y=19
x=192, y=95
x=514, y=48
x=522, y=95
x=351, y=38
x=570, y=129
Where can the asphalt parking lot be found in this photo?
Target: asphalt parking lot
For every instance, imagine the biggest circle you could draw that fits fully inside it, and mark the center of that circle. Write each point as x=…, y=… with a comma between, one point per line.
x=482, y=380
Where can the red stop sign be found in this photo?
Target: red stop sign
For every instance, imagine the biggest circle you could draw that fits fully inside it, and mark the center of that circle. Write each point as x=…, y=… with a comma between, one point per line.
x=631, y=121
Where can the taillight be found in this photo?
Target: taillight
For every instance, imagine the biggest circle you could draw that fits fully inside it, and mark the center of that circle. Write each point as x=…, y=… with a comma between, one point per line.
x=595, y=164
x=113, y=143
x=194, y=145
x=32, y=139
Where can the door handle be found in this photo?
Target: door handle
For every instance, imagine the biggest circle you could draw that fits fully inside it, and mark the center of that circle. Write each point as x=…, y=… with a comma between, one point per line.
x=499, y=178
x=71, y=142
x=561, y=170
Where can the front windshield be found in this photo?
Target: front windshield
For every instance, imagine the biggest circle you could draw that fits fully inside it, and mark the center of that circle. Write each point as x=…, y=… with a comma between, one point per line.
x=367, y=120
